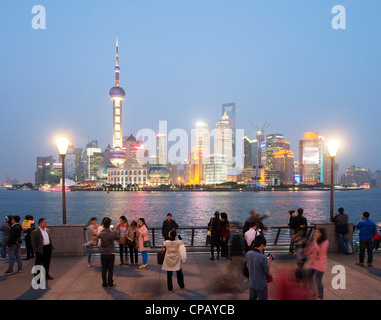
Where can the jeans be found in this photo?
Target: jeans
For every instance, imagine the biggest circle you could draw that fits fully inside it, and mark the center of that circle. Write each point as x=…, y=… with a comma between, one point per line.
x=319, y=281
x=15, y=252
x=122, y=249
x=107, y=261
x=258, y=294
x=145, y=256
x=368, y=245
x=4, y=245
x=133, y=252
x=90, y=249
x=29, y=248
x=180, y=279
x=343, y=242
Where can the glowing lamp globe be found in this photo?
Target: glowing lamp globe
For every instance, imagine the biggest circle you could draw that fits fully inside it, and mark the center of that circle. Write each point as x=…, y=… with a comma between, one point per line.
x=62, y=145
x=332, y=148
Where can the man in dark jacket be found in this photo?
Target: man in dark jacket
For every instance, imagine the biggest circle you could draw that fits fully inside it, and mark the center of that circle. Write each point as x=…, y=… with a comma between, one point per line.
x=368, y=230
x=168, y=226
x=297, y=224
x=14, y=245
x=341, y=227
x=107, y=250
x=42, y=246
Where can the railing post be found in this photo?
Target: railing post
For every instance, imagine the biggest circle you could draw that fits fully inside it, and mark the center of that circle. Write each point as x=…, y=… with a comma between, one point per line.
x=192, y=239
x=277, y=236
x=153, y=237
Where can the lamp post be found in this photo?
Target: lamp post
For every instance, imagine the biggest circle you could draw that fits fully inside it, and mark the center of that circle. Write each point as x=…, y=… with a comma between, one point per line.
x=63, y=145
x=332, y=150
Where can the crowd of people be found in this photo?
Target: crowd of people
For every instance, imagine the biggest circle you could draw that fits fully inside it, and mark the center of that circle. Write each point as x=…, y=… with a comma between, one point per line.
x=244, y=247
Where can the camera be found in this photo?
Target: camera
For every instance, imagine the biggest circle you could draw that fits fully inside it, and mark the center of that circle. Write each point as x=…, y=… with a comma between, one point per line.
x=270, y=256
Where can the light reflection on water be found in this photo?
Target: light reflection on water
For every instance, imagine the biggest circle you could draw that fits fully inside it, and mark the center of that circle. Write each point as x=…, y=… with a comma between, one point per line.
x=188, y=208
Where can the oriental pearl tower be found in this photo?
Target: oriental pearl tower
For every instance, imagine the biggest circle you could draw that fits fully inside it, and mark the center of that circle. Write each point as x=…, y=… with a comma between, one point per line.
x=117, y=95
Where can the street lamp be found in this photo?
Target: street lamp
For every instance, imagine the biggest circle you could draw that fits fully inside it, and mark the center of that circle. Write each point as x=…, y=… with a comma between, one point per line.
x=63, y=145
x=332, y=150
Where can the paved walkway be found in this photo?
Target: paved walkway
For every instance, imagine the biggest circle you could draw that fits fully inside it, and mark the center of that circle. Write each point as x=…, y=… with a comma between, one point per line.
x=74, y=280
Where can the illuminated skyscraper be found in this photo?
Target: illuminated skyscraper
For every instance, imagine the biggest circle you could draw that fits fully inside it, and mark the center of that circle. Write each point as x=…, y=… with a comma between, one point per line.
x=229, y=109
x=283, y=161
x=274, y=143
x=161, y=148
x=311, y=155
x=223, y=140
x=202, y=138
x=196, y=166
x=117, y=95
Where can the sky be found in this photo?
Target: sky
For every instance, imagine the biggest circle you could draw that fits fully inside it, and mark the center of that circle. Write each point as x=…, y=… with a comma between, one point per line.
x=281, y=62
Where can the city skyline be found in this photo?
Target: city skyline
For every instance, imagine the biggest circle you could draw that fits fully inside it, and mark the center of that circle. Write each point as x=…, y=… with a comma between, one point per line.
x=272, y=70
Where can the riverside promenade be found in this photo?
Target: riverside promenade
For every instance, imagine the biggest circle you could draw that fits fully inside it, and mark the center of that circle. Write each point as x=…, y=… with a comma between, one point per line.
x=74, y=280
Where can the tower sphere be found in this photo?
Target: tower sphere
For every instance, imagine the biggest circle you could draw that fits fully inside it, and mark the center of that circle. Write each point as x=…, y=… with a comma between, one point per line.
x=117, y=93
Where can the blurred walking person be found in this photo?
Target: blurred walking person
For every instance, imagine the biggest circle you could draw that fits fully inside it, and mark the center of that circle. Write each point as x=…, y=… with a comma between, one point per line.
x=14, y=245
x=215, y=236
x=225, y=235
x=250, y=235
x=42, y=246
x=172, y=259
x=107, y=249
x=341, y=227
x=368, y=230
x=92, y=239
x=121, y=228
x=5, y=229
x=144, y=243
x=317, y=263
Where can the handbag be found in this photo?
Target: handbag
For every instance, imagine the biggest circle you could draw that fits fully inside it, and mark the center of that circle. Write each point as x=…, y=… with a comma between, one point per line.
x=209, y=232
x=122, y=241
x=269, y=277
x=160, y=256
x=183, y=253
x=146, y=243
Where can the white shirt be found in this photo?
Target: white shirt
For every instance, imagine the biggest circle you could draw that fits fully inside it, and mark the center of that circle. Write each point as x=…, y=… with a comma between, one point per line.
x=250, y=236
x=45, y=237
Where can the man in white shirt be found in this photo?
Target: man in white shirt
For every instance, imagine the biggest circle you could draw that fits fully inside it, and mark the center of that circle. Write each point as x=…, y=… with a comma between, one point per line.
x=42, y=246
x=250, y=235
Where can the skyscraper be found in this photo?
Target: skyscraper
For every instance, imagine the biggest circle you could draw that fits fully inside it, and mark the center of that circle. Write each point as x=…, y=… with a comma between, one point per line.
x=274, y=143
x=229, y=108
x=196, y=166
x=311, y=154
x=161, y=148
x=117, y=156
x=223, y=140
x=283, y=161
x=92, y=160
x=202, y=138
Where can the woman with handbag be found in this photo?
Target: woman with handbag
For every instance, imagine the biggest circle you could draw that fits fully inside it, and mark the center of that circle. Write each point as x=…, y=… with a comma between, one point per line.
x=172, y=259
x=121, y=228
x=143, y=240
x=131, y=242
